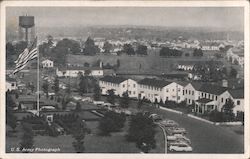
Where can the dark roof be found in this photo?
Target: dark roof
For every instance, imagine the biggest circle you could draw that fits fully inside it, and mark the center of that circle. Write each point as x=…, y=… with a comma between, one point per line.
x=204, y=100
x=113, y=79
x=212, y=89
x=196, y=85
x=154, y=82
x=237, y=93
x=80, y=68
x=182, y=83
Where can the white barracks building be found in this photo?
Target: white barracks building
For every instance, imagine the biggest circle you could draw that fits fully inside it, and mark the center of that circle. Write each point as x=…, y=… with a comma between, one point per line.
x=119, y=85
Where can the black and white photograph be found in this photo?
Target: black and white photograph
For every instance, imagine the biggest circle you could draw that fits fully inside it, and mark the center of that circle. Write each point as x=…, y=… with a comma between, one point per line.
x=123, y=78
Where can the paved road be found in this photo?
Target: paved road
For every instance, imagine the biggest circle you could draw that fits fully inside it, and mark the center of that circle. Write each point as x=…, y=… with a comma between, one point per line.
x=205, y=138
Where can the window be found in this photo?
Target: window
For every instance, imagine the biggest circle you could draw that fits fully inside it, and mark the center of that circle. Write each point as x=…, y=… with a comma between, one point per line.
x=134, y=85
x=178, y=97
x=129, y=92
x=186, y=91
x=208, y=96
x=189, y=92
x=216, y=97
x=183, y=92
x=12, y=84
x=179, y=89
x=173, y=90
x=201, y=94
x=166, y=90
x=192, y=92
x=123, y=85
x=222, y=100
x=134, y=92
x=189, y=101
x=238, y=102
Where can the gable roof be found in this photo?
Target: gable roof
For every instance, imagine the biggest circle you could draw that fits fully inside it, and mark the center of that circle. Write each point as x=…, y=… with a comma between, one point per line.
x=204, y=100
x=212, y=89
x=196, y=85
x=237, y=93
x=113, y=79
x=154, y=82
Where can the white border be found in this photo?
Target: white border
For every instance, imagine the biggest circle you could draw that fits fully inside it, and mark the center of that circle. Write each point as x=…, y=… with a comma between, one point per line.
x=244, y=4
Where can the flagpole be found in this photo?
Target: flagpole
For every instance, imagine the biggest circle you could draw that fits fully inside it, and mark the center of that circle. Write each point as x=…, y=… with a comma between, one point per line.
x=38, y=83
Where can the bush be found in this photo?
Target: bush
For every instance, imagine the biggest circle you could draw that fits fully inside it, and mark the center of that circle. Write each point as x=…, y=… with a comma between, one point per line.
x=111, y=122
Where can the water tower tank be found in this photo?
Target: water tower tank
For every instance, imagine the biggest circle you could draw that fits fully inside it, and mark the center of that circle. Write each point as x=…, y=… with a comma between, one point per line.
x=26, y=21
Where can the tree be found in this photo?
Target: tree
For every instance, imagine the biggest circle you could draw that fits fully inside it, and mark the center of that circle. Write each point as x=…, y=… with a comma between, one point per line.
x=107, y=47
x=87, y=72
x=83, y=85
x=45, y=88
x=227, y=110
x=167, y=52
x=56, y=85
x=142, y=132
x=139, y=103
x=111, y=122
x=79, y=130
x=11, y=119
x=197, y=52
x=233, y=73
x=111, y=96
x=27, y=138
x=90, y=47
x=97, y=92
x=128, y=49
x=142, y=50
x=124, y=100
x=78, y=107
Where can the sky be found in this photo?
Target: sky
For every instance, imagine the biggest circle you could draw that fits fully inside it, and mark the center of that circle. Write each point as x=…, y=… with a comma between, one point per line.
x=228, y=18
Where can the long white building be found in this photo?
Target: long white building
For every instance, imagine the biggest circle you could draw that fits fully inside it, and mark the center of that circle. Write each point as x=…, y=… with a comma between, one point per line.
x=120, y=85
x=73, y=71
x=204, y=97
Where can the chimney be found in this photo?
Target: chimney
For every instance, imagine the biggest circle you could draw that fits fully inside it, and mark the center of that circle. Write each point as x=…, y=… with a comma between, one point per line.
x=224, y=83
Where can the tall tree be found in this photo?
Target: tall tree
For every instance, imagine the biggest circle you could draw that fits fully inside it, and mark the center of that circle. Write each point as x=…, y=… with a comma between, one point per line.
x=142, y=50
x=79, y=131
x=107, y=47
x=228, y=110
x=128, y=49
x=142, y=132
x=56, y=85
x=124, y=100
x=45, y=88
x=97, y=92
x=90, y=47
x=233, y=73
x=27, y=138
x=111, y=96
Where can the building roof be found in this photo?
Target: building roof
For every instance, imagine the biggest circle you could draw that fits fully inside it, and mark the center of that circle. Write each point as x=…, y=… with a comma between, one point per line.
x=196, y=85
x=79, y=68
x=237, y=93
x=204, y=100
x=154, y=82
x=182, y=83
x=212, y=89
x=113, y=79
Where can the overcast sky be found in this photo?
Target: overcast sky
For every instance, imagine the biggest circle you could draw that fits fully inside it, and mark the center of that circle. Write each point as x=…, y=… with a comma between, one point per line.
x=220, y=17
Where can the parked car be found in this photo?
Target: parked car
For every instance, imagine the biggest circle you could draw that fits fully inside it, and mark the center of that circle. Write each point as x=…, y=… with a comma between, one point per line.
x=169, y=123
x=182, y=138
x=181, y=148
x=155, y=117
x=98, y=102
x=179, y=131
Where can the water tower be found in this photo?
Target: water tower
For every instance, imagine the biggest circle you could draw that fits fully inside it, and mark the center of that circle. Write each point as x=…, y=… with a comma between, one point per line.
x=26, y=28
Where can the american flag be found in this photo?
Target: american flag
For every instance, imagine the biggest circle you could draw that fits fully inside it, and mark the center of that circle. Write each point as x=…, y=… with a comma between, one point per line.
x=27, y=55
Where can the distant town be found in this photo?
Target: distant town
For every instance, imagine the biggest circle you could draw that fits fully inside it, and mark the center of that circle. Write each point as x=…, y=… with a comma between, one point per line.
x=126, y=90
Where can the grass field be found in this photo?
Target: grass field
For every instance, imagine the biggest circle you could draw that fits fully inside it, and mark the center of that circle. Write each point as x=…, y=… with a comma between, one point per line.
x=139, y=64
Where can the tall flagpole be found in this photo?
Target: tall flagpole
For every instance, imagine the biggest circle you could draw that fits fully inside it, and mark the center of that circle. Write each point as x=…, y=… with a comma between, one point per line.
x=38, y=95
